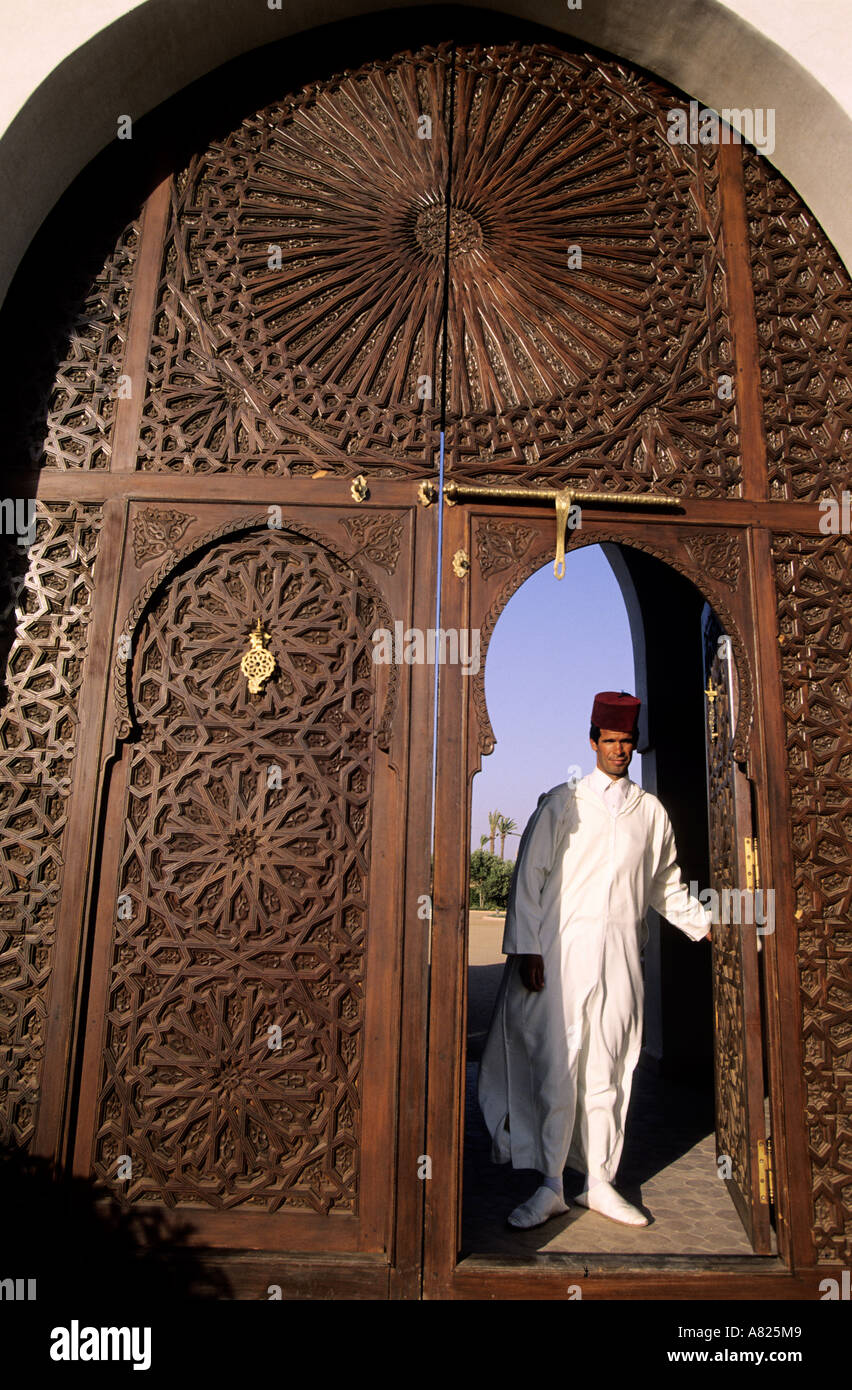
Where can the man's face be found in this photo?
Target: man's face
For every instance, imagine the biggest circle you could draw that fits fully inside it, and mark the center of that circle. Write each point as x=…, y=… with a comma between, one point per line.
x=614, y=751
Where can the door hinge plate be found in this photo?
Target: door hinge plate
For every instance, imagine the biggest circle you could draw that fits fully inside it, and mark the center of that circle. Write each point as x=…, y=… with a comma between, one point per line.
x=765, y=1174
x=752, y=865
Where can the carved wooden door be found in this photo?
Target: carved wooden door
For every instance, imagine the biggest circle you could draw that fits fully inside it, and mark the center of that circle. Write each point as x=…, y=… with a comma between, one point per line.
x=742, y=919
x=242, y=1054
x=501, y=243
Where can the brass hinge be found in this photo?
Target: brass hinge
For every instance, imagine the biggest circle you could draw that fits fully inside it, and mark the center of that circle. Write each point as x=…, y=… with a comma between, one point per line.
x=765, y=1172
x=752, y=864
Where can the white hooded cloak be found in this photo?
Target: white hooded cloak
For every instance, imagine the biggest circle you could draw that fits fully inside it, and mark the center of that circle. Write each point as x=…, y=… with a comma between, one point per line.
x=557, y=1067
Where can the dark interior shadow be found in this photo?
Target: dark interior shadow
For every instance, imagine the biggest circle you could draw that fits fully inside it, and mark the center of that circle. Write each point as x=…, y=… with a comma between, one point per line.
x=483, y=982
x=71, y=1235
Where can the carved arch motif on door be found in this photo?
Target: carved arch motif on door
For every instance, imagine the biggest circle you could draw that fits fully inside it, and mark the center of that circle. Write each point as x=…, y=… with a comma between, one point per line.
x=177, y=559
x=244, y=869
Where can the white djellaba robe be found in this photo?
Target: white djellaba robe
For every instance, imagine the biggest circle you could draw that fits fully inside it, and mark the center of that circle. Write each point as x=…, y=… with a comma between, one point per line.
x=556, y=1071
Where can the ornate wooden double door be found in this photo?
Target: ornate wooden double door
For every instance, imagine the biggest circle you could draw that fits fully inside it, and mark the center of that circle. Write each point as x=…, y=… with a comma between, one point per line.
x=254, y=1067
x=243, y=993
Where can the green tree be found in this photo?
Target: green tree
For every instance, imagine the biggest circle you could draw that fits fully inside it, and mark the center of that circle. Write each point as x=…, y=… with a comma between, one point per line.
x=481, y=866
x=498, y=883
x=505, y=827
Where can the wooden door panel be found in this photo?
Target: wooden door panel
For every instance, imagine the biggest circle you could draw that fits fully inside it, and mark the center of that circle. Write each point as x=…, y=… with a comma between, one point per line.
x=738, y=1052
x=240, y=1051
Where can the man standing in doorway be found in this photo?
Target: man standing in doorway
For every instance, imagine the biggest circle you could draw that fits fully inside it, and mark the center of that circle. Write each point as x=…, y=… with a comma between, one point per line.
x=557, y=1068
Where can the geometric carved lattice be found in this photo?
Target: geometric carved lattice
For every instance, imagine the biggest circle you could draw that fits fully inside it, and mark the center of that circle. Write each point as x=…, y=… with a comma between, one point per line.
x=47, y=606
x=803, y=301
x=70, y=381
x=732, y=1135
x=243, y=879
x=814, y=582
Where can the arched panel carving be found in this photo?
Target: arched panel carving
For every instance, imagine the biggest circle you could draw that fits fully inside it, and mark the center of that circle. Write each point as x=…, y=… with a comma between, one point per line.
x=242, y=885
x=373, y=610
x=725, y=546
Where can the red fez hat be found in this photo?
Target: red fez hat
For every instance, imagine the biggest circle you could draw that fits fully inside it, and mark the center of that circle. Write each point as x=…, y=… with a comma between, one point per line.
x=614, y=710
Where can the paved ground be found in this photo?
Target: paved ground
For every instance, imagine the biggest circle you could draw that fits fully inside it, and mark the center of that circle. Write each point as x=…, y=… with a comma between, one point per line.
x=668, y=1167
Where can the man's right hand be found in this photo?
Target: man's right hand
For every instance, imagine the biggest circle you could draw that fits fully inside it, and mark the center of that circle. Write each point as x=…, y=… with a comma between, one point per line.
x=532, y=972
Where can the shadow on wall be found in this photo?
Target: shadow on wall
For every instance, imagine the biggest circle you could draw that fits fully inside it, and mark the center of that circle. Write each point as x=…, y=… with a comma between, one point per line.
x=59, y=1233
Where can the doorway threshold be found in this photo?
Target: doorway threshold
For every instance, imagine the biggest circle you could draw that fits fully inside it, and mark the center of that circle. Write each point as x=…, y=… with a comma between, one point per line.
x=574, y=1276
x=592, y=1262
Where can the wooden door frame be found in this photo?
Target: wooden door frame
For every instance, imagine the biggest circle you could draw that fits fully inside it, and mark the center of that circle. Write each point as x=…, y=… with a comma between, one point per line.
x=789, y=1274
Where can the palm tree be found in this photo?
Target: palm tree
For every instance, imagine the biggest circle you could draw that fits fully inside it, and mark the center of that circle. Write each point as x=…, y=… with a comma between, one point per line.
x=494, y=818
x=505, y=827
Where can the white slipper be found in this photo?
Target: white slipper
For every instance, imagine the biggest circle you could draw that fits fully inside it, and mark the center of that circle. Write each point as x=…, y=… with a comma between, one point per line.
x=543, y=1204
x=603, y=1198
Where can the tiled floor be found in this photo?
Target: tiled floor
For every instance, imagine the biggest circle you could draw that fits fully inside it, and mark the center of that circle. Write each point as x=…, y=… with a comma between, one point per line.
x=668, y=1166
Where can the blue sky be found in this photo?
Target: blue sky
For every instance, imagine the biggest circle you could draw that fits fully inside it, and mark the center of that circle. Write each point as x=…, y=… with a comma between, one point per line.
x=555, y=645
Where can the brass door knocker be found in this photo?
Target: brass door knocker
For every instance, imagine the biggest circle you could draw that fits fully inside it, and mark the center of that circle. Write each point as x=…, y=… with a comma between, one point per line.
x=258, y=663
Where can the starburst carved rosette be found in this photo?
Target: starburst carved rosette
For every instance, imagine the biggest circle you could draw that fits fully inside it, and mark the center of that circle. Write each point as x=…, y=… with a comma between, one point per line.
x=313, y=283
x=588, y=330
x=239, y=855
x=303, y=288
x=303, y=598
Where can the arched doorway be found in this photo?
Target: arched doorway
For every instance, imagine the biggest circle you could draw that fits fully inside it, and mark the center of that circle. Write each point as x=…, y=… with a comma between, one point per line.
x=673, y=571
x=685, y=1111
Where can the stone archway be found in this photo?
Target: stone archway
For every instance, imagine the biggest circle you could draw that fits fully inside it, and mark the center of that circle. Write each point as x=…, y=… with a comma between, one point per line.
x=702, y=359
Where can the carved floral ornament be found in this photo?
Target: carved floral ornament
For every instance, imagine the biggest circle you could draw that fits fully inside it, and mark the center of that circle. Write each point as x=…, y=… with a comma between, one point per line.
x=719, y=555
x=156, y=531
x=501, y=544
x=378, y=536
